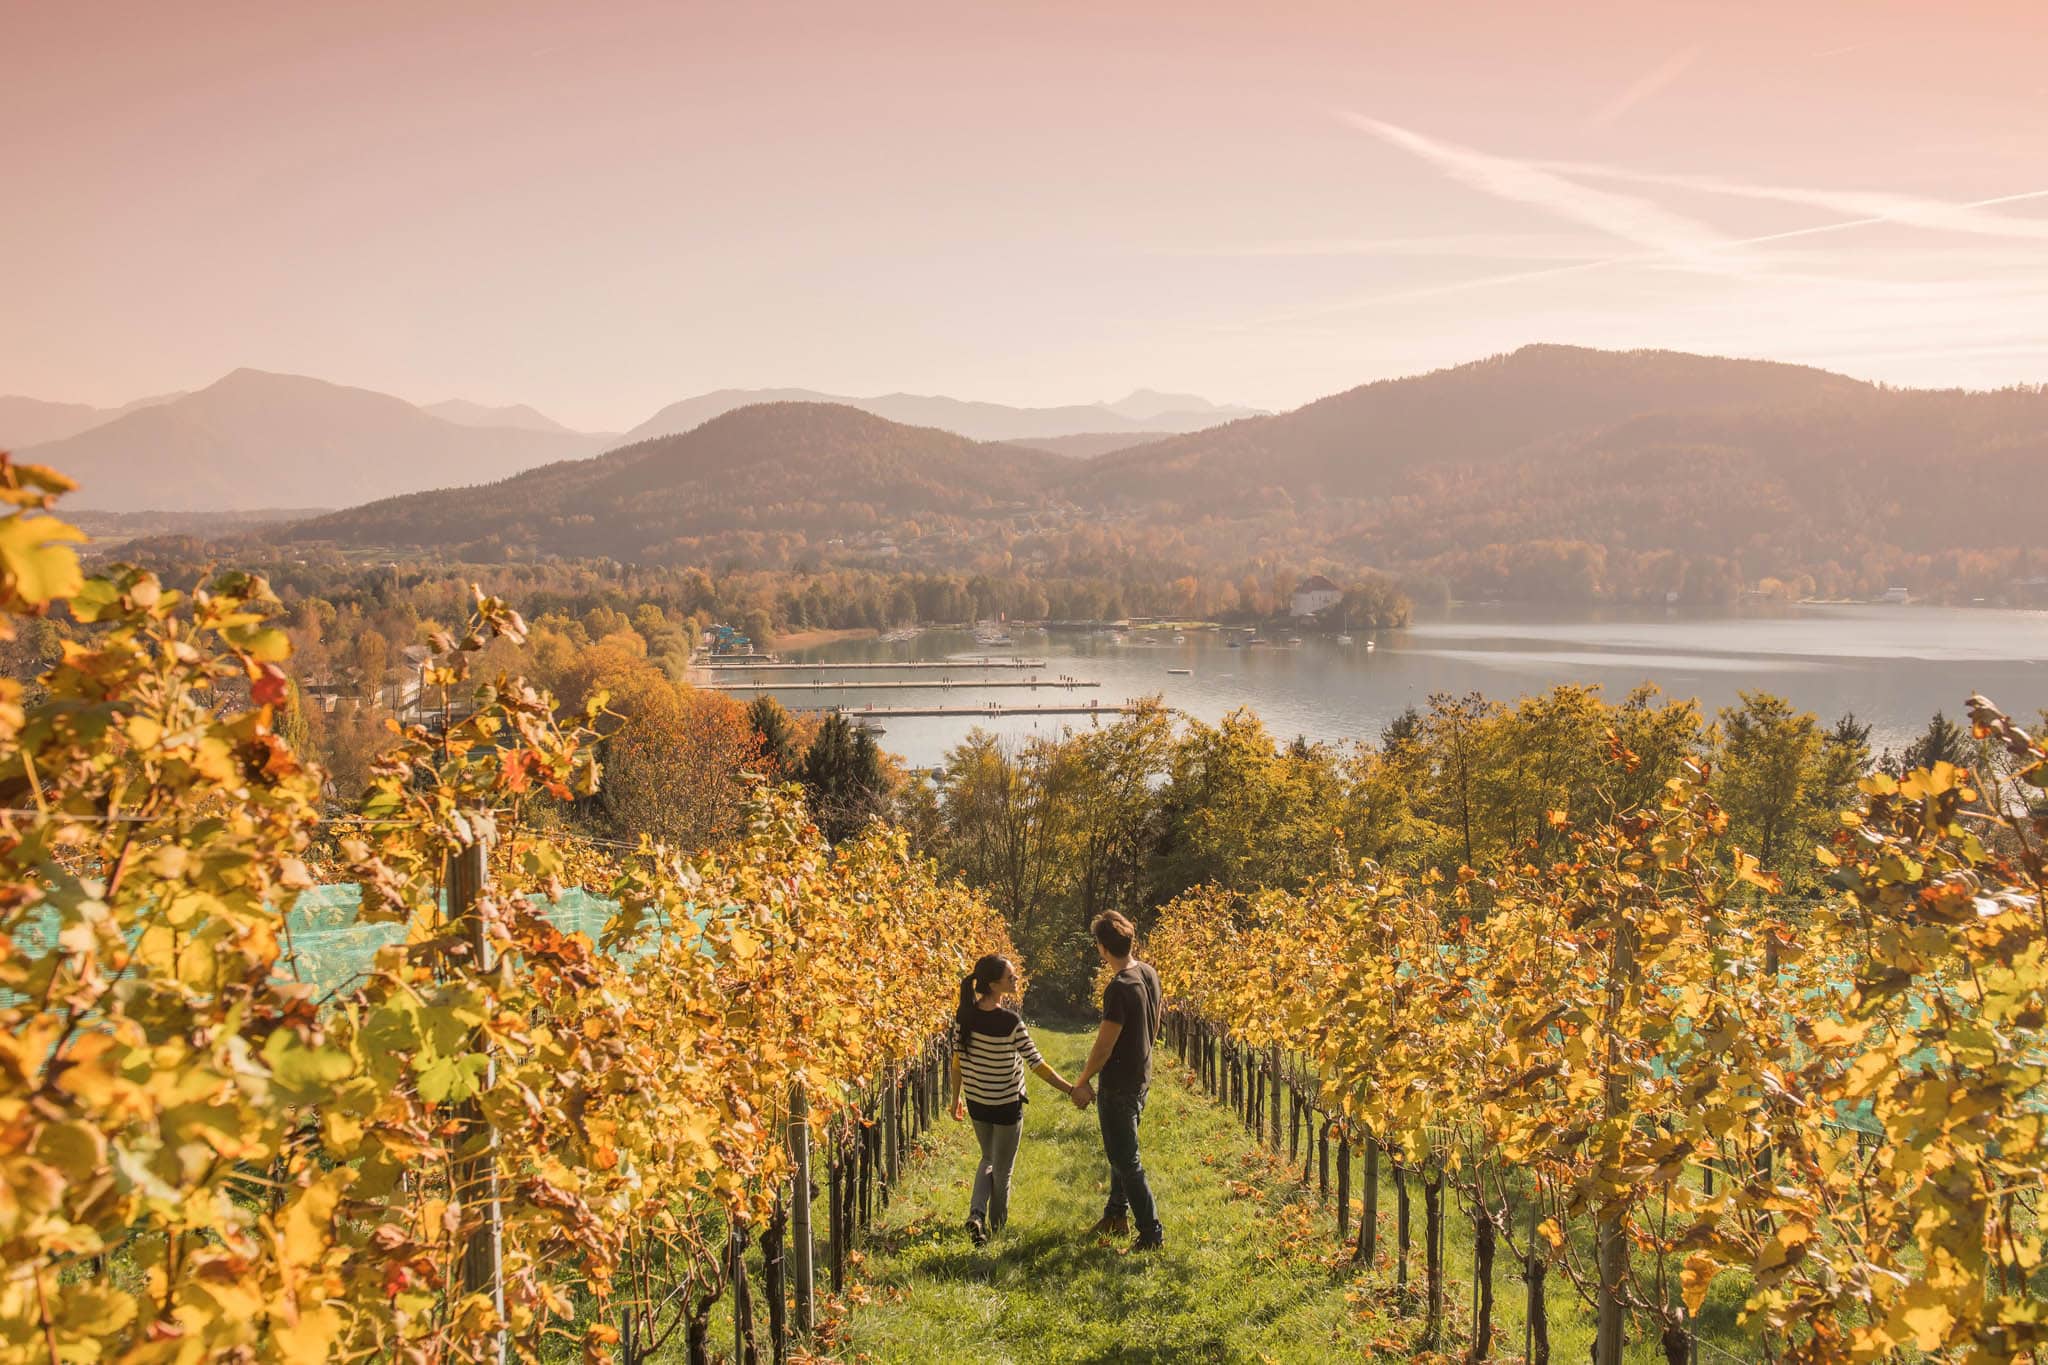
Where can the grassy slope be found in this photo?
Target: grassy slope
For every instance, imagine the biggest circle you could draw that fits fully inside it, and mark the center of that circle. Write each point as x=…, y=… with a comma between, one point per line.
x=1247, y=1274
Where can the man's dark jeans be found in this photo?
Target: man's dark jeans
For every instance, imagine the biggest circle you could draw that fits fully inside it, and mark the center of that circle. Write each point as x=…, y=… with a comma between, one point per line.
x=1119, y=1112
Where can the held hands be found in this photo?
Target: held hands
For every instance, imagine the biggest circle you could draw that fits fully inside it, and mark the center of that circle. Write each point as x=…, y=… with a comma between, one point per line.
x=1081, y=1094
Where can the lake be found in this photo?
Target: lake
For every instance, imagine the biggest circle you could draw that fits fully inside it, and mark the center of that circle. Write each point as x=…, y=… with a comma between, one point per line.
x=1894, y=666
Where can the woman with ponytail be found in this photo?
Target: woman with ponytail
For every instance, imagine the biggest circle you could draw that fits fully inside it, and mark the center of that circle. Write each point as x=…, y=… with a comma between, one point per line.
x=991, y=1050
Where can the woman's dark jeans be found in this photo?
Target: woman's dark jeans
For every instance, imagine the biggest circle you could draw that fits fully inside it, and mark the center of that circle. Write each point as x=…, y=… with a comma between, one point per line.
x=1118, y=1112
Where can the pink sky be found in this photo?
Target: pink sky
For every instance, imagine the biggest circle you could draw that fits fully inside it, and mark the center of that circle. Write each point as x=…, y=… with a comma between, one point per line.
x=601, y=208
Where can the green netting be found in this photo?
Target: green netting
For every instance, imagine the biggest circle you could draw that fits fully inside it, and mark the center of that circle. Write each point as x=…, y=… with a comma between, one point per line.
x=331, y=947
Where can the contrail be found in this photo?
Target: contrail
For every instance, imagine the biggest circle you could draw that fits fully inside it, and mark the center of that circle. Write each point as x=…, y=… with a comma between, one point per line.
x=1646, y=86
x=1637, y=258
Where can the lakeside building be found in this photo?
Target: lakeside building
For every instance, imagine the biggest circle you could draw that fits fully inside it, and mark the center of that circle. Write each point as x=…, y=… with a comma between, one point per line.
x=1315, y=594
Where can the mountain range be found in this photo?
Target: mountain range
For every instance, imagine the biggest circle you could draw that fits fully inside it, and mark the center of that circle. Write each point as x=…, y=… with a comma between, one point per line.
x=1553, y=472
x=259, y=440
x=256, y=440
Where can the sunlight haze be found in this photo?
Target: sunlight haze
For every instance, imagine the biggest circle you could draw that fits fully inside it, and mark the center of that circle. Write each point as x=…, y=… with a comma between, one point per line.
x=597, y=210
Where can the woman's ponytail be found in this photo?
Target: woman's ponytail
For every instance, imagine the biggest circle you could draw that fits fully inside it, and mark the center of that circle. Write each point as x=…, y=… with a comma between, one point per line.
x=966, y=1011
x=980, y=981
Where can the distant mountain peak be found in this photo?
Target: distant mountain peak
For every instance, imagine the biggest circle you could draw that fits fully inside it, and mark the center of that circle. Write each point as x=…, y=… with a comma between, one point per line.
x=260, y=439
x=1145, y=405
x=519, y=416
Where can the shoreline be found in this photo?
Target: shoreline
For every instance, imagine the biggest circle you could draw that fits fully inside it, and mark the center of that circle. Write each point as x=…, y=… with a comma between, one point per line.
x=811, y=639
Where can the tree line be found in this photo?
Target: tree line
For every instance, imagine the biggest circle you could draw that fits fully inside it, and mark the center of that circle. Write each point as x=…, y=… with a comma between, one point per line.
x=1133, y=812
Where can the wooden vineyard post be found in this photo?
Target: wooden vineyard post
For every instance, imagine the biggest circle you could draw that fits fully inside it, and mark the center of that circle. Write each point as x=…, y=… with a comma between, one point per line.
x=888, y=1172
x=856, y=1176
x=835, y=1215
x=800, y=1192
x=1323, y=1163
x=1400, y=1226
x=1273, y=1070
x=871, y=1179
x=1343, y=1184
x=1369, y=1220
x=774, y=1282
x=1610, y=1238
x=476, y=1170
x=803, y=1271
x=864, y=1182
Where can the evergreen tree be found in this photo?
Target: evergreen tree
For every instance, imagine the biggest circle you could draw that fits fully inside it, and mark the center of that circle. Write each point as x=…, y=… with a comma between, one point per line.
x=1944, y=742
x=843, y=776
x=1405, y=728
x=776, y=736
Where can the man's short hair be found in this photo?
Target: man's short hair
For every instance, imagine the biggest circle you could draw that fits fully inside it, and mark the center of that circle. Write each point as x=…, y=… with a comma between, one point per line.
x=1114, y=932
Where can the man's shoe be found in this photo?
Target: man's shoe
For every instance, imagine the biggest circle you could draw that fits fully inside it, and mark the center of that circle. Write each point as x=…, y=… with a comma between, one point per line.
x=1152, y=1242
x=977, y=1232
x=1110, y=1227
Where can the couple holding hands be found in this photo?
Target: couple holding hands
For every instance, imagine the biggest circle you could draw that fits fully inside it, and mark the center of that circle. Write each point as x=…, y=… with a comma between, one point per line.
x=993, y=1049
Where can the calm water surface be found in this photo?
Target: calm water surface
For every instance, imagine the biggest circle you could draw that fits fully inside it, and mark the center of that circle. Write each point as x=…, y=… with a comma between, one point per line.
x=1893, y=666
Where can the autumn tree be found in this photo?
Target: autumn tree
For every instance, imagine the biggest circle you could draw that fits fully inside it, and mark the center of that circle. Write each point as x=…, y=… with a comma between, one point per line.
x=1765, y=765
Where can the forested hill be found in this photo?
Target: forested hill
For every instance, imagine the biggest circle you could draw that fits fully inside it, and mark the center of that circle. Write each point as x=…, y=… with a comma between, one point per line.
x=768, y=479
x=1558, y=473
x=1554, y=473
x=1350, y=445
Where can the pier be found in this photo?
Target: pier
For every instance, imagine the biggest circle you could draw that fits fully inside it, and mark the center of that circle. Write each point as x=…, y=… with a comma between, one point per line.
x=725, y=662
x=988, y=709
x=839, y=685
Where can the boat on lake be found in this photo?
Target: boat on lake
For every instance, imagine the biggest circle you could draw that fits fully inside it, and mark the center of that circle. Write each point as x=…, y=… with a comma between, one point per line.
x=1183, y=672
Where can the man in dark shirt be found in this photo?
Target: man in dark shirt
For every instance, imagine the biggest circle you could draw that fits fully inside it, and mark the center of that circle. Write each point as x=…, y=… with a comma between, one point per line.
x=1122, y=1059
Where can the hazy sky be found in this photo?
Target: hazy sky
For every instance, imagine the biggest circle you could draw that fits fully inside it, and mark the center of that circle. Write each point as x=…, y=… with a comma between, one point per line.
x=600, y=208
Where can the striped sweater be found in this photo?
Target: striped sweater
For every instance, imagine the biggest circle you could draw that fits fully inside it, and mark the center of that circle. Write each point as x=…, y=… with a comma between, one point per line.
x=995, y=1048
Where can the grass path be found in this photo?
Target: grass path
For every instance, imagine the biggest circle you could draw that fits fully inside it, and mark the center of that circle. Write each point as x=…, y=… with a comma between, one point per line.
x=1227, y=1287
x=1252, y=1270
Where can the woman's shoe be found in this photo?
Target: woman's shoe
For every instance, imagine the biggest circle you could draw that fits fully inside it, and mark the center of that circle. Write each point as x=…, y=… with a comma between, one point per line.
x=977, y=1232
x=1111, y=1227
